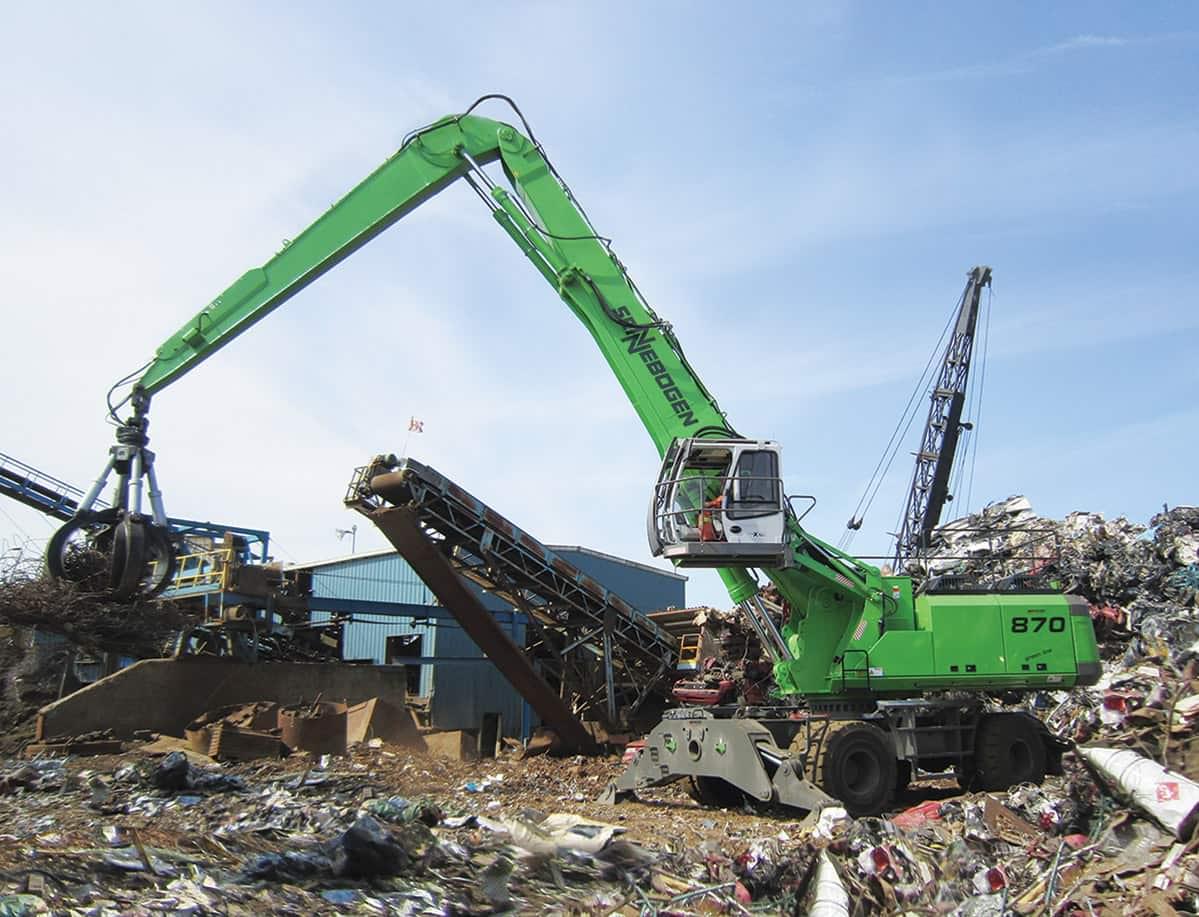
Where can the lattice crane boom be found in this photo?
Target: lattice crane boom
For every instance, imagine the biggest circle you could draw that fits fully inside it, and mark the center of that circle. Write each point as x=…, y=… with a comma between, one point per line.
x=929, y=491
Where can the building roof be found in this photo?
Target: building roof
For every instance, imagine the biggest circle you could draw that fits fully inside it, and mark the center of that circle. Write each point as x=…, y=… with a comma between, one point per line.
x=557, y=548
x=612, y=557
x=340, y=559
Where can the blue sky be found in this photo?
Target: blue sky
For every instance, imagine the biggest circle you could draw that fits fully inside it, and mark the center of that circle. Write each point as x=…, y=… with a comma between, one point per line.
x=799, y=188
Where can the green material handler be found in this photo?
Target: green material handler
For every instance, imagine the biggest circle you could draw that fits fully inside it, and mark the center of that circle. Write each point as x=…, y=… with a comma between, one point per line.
x=874, y=680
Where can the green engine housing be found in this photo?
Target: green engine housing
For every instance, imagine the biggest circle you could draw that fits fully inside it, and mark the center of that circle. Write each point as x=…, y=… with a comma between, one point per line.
x=891, y=643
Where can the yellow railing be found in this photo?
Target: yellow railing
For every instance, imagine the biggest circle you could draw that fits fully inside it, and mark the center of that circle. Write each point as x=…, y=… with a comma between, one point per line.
x=689, y=650
x=204, y=568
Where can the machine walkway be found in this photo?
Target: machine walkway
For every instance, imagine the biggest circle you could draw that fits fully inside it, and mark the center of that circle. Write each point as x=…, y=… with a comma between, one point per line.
x=603, y=654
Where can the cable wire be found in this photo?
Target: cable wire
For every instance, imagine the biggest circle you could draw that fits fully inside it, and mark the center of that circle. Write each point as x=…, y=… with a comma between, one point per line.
x=656, y=322
x=29, y=539
x=978, y=406
x=896, y=439
x=112, y=409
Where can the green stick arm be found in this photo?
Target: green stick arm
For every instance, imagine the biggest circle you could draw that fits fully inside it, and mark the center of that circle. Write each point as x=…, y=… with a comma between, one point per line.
x=406, y=180
x=542, y=219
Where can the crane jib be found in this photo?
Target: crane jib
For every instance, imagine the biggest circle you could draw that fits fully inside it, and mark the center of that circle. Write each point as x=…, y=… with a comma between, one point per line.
x=639, y=344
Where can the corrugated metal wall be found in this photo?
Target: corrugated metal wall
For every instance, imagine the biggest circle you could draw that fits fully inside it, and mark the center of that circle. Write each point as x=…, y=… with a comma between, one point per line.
x=460, y=693
x=366, y=638
x=371, y=578
x=377, y=578
x=464, y=691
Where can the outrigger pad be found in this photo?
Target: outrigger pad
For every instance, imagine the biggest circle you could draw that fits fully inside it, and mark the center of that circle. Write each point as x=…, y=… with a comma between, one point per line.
x=741, y=752
x=793, y=789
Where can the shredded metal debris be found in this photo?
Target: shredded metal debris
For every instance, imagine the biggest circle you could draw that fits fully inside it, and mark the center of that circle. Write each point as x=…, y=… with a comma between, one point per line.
x=391, y=829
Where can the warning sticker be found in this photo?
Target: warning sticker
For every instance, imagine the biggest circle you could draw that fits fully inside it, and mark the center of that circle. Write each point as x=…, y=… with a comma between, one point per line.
x=1167, y=791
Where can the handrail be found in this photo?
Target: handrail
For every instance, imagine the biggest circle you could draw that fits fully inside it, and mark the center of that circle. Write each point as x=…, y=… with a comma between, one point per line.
x=204, y=568
x=678, y=516
x=41, y=477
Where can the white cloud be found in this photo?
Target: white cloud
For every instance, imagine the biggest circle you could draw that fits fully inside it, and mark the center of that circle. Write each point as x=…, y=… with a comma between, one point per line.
x=1079, y=42
x=1026, y=62
x=874, y=179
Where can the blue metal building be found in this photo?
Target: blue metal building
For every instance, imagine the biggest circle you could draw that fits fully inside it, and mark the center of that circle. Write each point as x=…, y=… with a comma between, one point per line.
x=462, y=686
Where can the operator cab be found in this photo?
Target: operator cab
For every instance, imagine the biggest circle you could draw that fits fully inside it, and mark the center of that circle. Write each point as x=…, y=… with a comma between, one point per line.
x=720, y=503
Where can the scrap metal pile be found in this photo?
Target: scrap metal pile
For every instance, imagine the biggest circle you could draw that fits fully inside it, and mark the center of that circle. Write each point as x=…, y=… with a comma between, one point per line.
x=1131, y=573
x=47, y=627
x=1070, y=846
x=342, y=834
x=1142, y=584
x=30, y=600
x=376, y=831
x=731, y=667
x=384, y=828
x=1116, y=832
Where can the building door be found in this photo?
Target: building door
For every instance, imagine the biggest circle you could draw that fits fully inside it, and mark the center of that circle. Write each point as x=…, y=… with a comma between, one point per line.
x=490, y=735
x=401, y=647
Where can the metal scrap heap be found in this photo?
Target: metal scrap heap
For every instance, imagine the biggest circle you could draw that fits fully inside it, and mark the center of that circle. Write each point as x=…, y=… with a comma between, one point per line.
x=1141, y=582
x=384, y=828
x=731, y=659
x=1125, y=569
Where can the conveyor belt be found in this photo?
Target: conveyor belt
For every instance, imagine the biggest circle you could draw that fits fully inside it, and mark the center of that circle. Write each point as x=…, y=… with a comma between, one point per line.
x=582, y=626
x=37, y=489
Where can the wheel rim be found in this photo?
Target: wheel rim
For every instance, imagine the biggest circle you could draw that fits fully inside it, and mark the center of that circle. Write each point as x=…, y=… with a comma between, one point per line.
x=863, y=771
x=1019, y=759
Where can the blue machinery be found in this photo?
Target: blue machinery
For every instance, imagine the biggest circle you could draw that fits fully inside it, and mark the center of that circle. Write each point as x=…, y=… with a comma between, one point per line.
x=207, y=553
x=593, y=646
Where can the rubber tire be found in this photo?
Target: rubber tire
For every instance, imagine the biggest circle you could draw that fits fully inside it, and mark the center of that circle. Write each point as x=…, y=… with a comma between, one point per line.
x=716, y=792
x=1008, y=750
x=859, y=768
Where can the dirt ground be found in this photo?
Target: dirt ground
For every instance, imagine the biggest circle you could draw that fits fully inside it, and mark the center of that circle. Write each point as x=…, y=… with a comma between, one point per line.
x=666, y=818
x=84, y=826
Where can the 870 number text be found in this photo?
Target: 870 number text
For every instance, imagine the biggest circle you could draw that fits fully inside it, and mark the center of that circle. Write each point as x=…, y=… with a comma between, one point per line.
x=1021, y=624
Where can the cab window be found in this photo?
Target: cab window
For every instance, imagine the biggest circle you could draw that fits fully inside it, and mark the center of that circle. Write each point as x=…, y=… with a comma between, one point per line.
x=755, y=485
